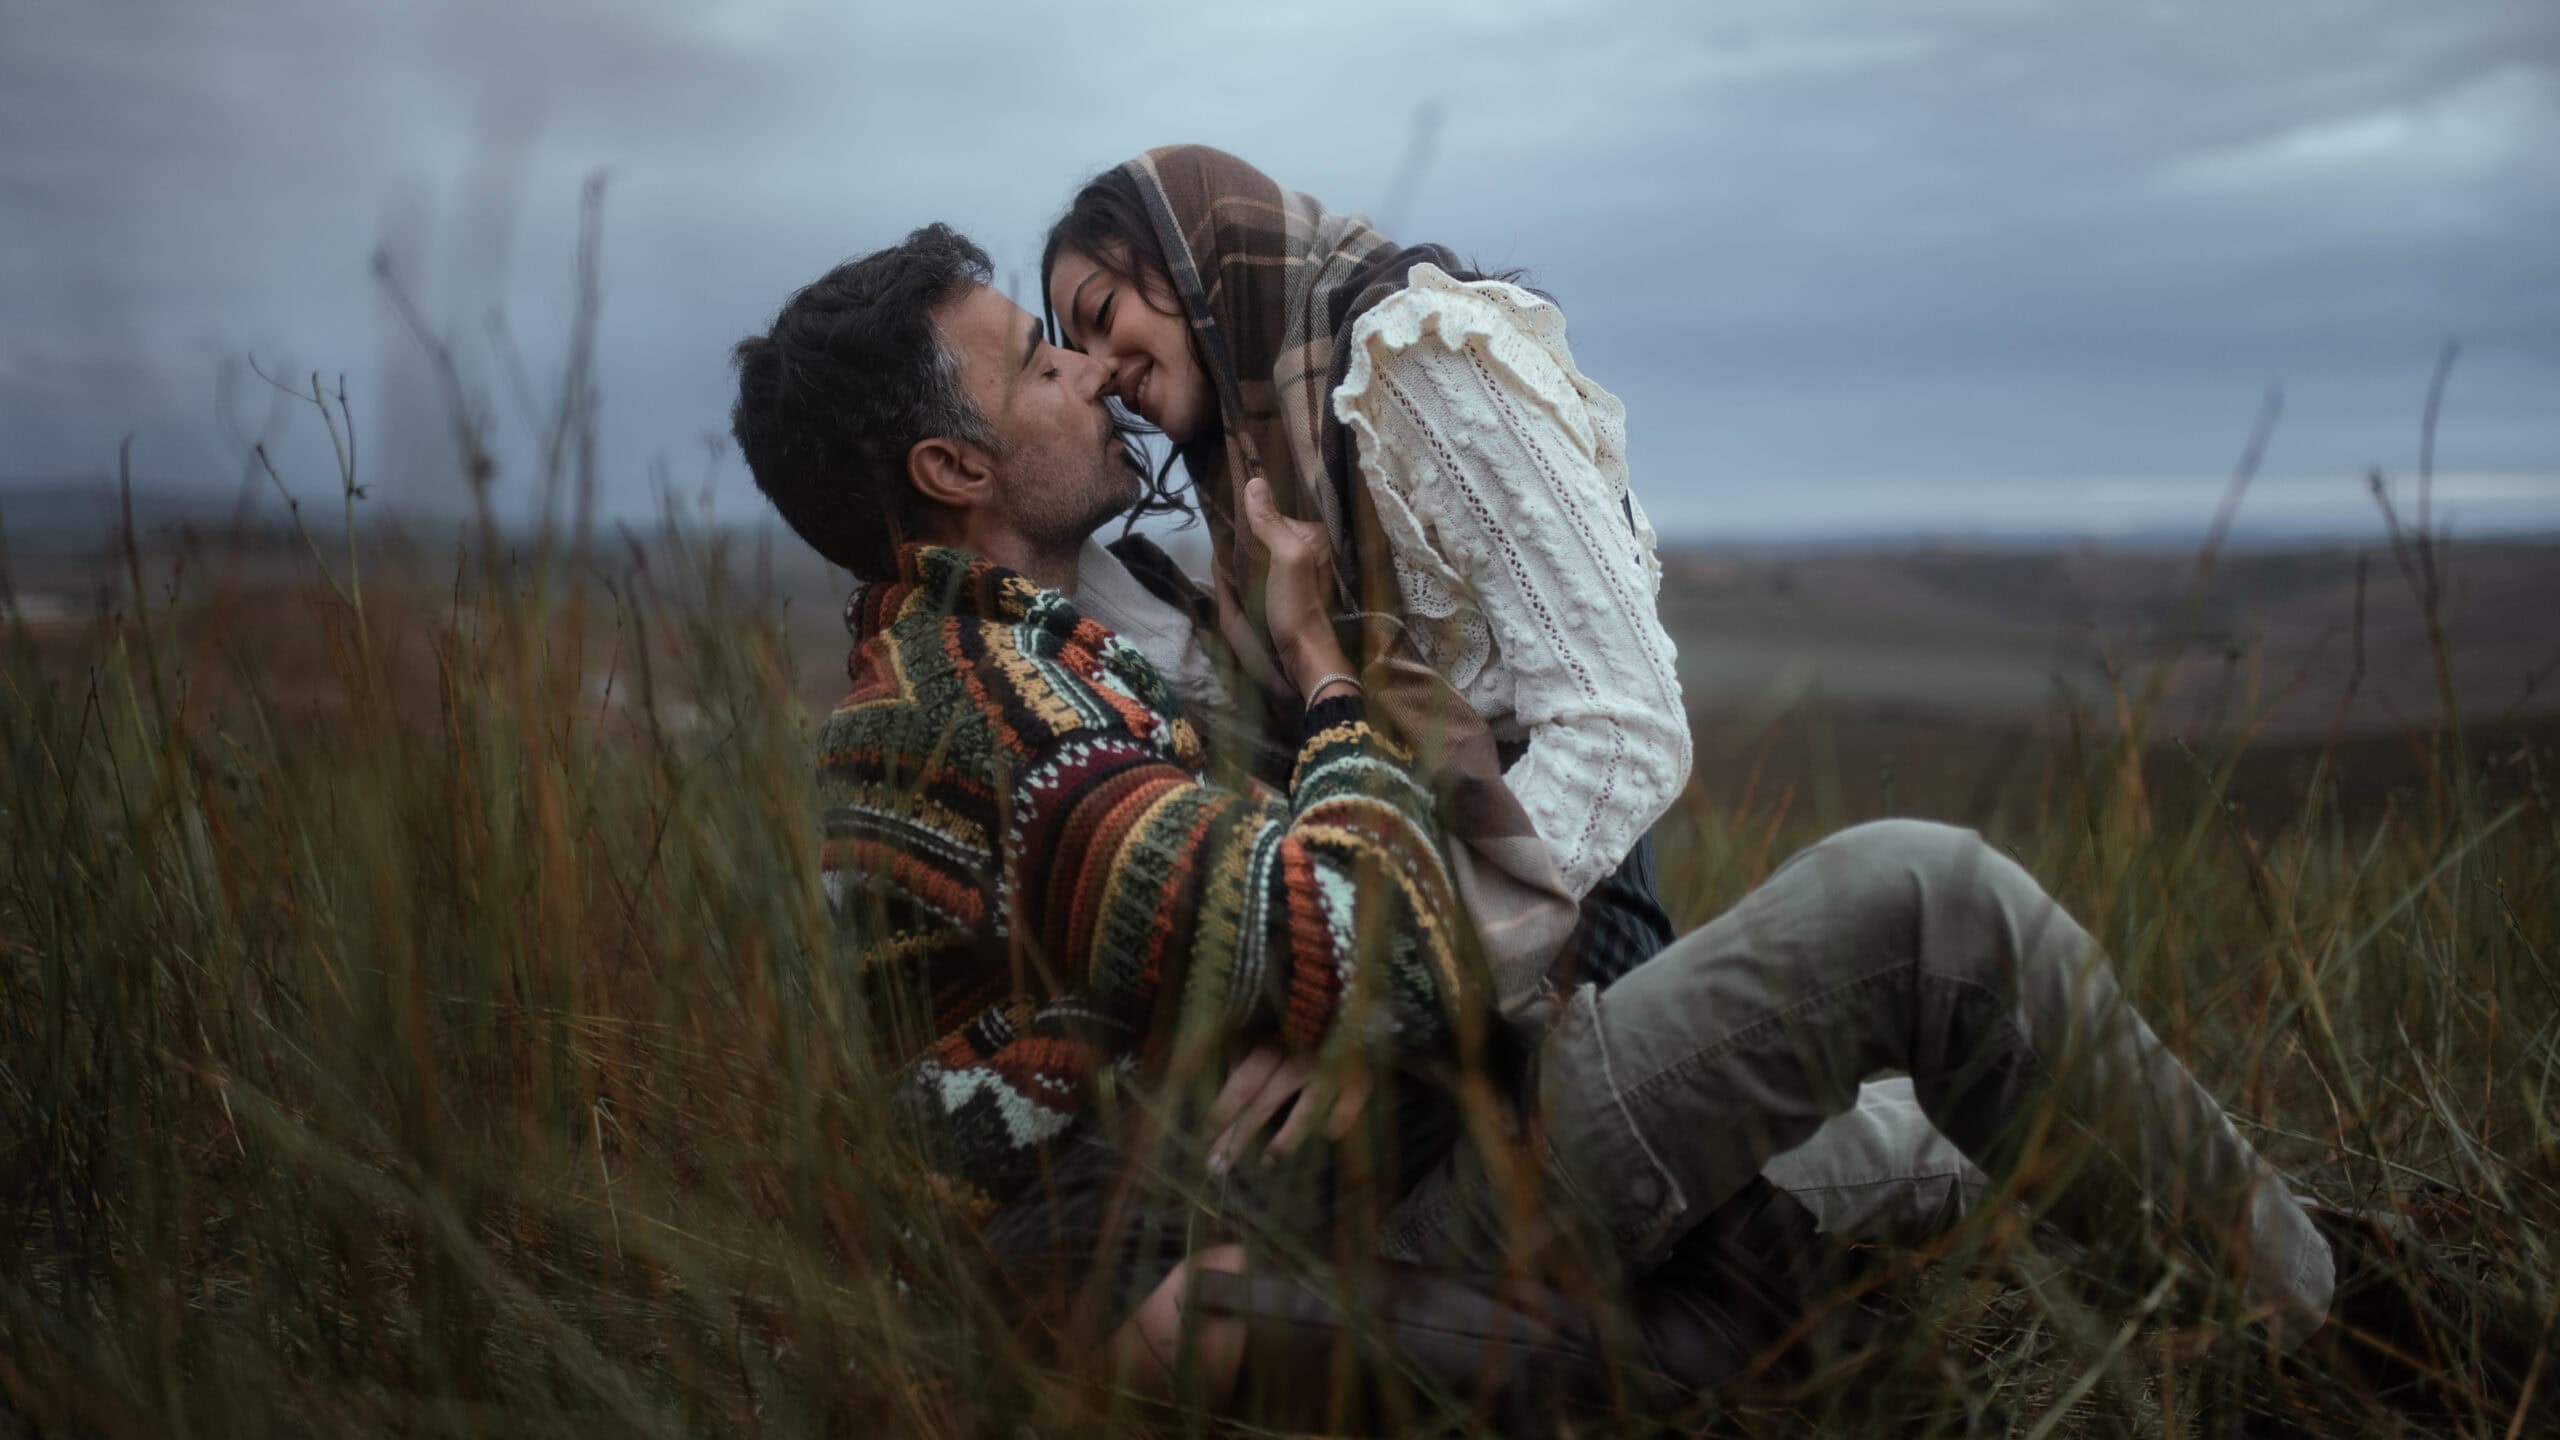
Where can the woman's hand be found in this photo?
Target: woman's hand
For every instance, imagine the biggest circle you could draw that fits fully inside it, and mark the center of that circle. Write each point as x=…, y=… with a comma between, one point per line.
x=1267, y=1079
x=1297, y=589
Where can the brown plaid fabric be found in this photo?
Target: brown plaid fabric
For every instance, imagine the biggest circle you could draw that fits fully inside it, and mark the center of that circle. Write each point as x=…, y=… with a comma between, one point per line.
x=1271, y=283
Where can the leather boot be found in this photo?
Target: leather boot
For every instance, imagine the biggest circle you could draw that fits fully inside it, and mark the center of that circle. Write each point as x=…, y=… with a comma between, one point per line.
x=1372, y=1353
x=1754, y=1294
x=2425, y=1318
x=1376, y=1352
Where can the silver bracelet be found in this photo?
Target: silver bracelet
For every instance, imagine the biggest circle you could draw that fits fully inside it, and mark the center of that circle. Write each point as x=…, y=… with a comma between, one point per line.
x=1323, y=680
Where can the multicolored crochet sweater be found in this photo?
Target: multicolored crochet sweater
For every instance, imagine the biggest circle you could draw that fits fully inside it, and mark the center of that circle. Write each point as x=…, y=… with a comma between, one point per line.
x=1022, y=837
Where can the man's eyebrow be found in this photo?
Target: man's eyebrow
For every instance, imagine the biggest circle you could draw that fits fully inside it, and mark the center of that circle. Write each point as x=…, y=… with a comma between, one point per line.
x=1032, y=348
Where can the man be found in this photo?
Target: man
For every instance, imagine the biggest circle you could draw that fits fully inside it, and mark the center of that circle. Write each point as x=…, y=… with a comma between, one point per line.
x=1020, y=823
x=1017, y=826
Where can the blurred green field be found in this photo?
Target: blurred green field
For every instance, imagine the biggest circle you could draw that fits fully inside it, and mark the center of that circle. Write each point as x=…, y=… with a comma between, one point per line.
x=418, y=1016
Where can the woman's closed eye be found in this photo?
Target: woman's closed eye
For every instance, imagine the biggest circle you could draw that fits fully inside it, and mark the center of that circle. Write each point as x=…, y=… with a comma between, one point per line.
x=1102, y=315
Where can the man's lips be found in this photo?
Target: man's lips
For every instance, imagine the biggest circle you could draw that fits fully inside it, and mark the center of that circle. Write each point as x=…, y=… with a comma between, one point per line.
x=1118, y=442
x=1117, y=438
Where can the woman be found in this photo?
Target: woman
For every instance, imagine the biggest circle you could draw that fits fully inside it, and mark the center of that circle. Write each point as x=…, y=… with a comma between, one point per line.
x=1474, y=485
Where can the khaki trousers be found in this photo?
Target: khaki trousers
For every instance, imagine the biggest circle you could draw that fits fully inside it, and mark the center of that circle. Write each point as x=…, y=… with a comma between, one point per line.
x=1747, y=1047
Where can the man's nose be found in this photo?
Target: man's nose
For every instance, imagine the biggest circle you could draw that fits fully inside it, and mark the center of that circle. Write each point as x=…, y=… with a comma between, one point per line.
x=1106, y=377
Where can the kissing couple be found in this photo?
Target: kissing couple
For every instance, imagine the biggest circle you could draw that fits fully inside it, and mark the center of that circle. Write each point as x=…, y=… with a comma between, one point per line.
x=1269, y=967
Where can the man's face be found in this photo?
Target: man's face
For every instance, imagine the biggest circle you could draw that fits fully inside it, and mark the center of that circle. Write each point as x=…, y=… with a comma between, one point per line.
x=1061, y=468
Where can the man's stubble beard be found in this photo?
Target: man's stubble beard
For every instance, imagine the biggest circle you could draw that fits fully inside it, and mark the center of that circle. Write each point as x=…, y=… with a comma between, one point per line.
x=1058, y=506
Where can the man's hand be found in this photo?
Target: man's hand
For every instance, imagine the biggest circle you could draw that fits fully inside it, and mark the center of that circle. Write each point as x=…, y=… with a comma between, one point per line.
x=1261, y=1083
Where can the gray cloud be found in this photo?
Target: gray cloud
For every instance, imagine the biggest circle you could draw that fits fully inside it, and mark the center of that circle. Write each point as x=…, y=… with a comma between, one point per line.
x=1996, y=256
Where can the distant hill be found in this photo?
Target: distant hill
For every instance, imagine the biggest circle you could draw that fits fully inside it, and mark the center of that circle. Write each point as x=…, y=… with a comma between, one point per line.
x=72, y=516
x=1968, y=633
x=2280, y=636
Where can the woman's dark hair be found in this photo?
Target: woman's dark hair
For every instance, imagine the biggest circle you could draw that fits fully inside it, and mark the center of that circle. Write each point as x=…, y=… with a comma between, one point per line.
x=852, y=375
x=1107, y=224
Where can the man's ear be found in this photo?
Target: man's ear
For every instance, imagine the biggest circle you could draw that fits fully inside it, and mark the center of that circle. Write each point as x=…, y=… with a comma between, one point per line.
x=951, y=473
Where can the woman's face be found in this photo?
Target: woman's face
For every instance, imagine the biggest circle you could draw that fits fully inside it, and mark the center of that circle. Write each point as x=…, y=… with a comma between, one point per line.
x=1120, y=323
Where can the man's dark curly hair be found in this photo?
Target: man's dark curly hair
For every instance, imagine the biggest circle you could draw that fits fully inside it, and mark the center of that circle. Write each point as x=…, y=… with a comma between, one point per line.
x=852, y=375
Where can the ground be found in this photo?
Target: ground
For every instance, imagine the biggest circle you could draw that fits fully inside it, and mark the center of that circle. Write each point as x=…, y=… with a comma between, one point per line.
x=416, y=1016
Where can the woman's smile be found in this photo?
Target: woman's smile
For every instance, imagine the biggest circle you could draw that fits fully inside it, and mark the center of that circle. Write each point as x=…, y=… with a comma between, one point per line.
x=1138, y=393
x=1117, y=317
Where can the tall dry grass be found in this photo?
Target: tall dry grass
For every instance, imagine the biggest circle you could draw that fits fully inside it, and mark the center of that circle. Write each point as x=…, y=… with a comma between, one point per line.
x=452, y=1039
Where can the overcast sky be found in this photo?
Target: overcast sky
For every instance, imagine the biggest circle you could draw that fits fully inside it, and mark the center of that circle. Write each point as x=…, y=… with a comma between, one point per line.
x=1940, y=266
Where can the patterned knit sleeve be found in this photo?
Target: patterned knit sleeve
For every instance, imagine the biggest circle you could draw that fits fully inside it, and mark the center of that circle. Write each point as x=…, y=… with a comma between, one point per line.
x=1326, y=914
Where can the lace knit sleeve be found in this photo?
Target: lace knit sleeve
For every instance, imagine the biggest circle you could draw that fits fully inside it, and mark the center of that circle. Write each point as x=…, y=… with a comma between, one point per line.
x=1473, y=420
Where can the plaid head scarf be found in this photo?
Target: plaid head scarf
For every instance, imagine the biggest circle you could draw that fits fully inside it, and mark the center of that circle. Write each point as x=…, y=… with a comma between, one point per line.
x=1271, y=284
